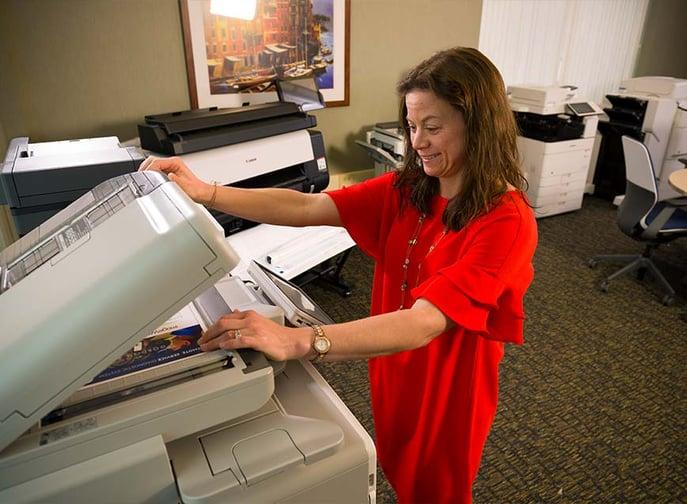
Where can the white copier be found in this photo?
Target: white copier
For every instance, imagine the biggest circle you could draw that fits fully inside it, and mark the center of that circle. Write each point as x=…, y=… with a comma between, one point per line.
x=652, y=110
x=385, y=144
x=39, y=179
x=556, y=139
x=84, y=287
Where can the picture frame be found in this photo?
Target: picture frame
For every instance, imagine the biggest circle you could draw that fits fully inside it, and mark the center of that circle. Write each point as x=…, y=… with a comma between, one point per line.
x=232, y=62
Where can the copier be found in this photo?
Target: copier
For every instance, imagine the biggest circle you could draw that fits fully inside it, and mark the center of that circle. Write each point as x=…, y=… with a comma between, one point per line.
x=385, y=144
x=264, y=145
x=39, y=179
x=555, y=142
x=652, y=110
x=84, y=287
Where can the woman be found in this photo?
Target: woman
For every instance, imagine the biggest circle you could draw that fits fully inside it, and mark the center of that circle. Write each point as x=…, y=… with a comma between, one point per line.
x=452, y=236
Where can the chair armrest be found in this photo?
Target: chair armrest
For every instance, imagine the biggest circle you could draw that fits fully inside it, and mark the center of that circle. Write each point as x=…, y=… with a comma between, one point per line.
x=651, y=232
x=678, y=202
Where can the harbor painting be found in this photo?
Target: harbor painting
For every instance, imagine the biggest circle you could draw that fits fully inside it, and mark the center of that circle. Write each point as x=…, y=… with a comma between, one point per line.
x=231, y=60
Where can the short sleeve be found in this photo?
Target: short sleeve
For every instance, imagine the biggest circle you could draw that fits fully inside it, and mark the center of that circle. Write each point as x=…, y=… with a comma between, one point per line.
x=362, y=208
x=483, y=290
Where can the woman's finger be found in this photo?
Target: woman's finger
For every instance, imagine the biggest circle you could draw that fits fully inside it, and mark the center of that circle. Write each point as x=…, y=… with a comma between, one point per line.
x=229, y=340
x=227, y=322
x=235, y=343
x=216, y=342
x=217, y=330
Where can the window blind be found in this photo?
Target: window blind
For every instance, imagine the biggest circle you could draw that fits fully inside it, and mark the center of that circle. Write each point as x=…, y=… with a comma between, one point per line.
x=589, y=44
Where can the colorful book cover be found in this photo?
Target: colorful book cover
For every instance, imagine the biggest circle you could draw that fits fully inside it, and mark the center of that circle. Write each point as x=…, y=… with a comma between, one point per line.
x=175, y=339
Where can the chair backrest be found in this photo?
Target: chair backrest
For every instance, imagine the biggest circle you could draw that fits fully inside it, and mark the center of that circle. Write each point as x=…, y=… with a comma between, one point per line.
x=638, y=166
x=641, y=193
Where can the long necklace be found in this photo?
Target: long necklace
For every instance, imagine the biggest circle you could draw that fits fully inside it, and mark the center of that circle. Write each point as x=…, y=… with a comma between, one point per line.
x=406, y=261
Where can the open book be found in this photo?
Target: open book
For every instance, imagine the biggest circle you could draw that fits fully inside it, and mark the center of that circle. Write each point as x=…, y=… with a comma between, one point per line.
x=171, y=350
x=175, y=339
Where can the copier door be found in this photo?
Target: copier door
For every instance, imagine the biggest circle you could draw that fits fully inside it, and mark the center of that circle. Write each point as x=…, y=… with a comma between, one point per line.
x=144, y=466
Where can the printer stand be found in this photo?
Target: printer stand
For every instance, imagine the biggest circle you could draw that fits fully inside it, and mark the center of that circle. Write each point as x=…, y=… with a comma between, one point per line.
x=329, y=272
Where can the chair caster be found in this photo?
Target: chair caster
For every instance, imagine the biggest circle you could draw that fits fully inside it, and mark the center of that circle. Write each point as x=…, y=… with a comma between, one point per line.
x=592, y=263
x=667, y=300
x=604, y=286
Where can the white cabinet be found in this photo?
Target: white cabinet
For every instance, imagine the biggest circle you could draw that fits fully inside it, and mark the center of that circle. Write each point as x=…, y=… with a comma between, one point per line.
x=556, y=173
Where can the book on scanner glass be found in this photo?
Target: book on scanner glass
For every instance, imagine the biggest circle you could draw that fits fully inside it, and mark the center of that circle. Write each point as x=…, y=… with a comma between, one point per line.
x=154, y=350
x=176, y=339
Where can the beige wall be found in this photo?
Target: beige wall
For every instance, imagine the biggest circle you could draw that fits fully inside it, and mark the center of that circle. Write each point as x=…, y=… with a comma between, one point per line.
x=388, y=37
x=664, y=41
x=77, y=68
x=83, y=68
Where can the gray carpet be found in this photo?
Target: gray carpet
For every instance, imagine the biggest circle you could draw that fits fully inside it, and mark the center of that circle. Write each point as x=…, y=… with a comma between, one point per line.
x=592, y=407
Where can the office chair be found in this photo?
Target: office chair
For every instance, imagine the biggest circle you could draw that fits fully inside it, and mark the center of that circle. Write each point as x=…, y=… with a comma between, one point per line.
x=642, y=217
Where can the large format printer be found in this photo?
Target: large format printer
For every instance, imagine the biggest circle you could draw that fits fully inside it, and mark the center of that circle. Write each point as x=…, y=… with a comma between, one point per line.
x=652, y=110
x=85, y=286
x=556, y=139
x=265, y=145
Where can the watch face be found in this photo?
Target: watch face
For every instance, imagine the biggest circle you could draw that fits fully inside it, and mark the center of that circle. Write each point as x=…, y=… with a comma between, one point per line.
x=321, y=344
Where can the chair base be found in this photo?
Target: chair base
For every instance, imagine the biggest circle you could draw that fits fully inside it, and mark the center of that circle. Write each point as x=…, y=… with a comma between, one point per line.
x=639, y=264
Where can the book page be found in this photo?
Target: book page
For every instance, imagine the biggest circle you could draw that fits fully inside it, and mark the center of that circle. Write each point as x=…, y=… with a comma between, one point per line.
x=176, y=339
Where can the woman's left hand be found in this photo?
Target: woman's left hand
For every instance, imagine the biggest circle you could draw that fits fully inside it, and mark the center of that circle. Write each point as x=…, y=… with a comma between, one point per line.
x=249, y=329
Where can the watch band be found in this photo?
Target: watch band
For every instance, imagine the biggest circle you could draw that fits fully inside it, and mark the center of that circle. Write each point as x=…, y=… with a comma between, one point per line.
x=320, y=343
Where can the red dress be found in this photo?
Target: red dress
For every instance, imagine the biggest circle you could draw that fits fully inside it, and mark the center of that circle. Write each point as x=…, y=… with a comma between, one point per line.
x=433, y=406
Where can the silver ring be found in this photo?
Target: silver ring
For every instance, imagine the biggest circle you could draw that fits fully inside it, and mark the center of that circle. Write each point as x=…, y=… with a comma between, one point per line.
x=237, y=333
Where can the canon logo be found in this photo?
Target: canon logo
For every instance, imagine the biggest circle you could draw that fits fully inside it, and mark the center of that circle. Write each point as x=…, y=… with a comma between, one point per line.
x=250, y=160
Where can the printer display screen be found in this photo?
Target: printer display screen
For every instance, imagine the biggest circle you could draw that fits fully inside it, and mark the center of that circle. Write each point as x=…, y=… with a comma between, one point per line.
x=303, y=92
x=581, y=109
x=300, y=301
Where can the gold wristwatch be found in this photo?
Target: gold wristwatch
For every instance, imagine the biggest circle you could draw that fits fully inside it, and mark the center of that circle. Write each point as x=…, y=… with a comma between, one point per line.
x=320, y=343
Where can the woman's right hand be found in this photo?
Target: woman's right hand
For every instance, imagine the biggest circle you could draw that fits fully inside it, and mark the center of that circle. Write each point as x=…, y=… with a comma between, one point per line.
x=178, y=172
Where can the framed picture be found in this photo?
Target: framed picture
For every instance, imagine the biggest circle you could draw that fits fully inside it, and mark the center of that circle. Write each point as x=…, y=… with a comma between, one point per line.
x=234, y=56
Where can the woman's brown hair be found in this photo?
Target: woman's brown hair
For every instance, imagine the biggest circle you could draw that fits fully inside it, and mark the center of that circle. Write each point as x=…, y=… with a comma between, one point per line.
x=469, y=82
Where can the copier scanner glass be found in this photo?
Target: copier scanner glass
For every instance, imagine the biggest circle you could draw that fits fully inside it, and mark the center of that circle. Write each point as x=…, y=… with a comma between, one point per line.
x=298, y=307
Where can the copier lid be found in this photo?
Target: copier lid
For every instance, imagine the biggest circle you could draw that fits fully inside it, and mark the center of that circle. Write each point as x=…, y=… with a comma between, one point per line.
x=88, y=284
x=540, y=95
x=668, y=87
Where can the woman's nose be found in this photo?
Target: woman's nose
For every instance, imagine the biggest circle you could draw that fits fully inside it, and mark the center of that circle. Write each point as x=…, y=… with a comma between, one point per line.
x=419, y=140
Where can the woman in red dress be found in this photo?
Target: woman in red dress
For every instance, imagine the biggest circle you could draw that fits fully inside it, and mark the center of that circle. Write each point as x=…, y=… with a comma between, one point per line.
x=452, y=236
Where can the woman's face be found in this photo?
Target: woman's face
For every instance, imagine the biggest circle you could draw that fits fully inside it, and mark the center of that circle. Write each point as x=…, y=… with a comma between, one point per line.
x=437, y=133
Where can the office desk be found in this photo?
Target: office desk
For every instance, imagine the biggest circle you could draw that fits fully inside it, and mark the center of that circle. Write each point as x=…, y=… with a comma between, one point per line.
x=678, y=179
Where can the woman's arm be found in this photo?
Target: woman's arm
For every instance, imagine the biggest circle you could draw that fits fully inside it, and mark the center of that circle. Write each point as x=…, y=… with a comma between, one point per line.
x=271, y=206
x=359, y=339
